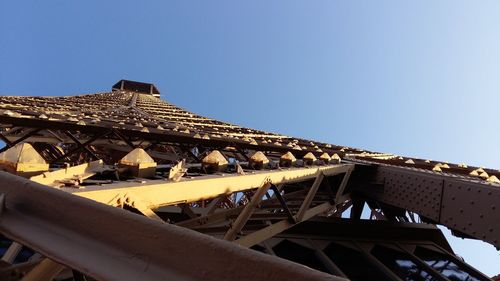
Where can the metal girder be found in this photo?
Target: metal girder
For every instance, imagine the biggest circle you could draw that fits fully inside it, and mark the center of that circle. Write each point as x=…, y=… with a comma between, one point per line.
x=210, y=218
x=15, y=272
x=224, y=215
x=6, y=140
x=126, y=148
x=122, y=200
x=114, y=122
x=310, y=196
x=80, y=145
x=286, y=209
x=212, y=206
x=124, y=138
x=461, y=204
x=46, y=270
x=79, y=172
x=12, y=252
x=276, y=228
x=152, y=134
x=49, y=138
x=245, y=214
x=96, y=240
x=157, y=193
x=341, y=196
x=83, y=146
x=30, y=133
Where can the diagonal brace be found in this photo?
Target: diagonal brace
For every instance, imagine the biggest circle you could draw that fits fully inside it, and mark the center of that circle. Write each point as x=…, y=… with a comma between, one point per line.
x=310, y=196
x=19, y=140
x=242, y=219
x=83, y=145
x=283, y=204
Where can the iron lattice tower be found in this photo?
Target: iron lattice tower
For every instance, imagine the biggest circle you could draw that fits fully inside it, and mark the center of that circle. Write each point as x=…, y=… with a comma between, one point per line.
x=125, y=186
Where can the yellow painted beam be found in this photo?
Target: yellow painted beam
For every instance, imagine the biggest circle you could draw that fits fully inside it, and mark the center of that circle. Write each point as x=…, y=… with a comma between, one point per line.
x=157, y=193
x=82, y=171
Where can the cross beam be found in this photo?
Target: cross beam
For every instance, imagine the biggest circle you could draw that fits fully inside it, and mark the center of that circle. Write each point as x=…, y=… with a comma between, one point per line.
x=100, y=240
x=158, y=193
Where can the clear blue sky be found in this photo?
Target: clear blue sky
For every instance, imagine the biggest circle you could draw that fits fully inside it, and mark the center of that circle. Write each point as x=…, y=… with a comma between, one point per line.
x=419, y=78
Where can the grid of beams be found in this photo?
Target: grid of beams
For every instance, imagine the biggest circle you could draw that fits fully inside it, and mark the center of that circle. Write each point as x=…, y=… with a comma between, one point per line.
x=258, y=186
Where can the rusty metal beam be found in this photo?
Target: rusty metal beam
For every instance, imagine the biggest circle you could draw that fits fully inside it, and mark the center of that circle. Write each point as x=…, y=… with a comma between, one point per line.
x=98, y=243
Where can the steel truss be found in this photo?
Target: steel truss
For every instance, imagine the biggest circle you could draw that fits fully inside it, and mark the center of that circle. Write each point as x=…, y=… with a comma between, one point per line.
x=198, y=177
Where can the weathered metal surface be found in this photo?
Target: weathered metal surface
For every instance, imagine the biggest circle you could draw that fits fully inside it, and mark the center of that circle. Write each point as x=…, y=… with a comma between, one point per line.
x=212, y=193
x=110, y=244
x=465, y=205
